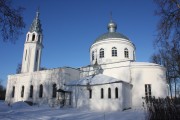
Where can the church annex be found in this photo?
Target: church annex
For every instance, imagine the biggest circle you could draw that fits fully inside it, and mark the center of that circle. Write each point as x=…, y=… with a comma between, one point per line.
x=112, y=81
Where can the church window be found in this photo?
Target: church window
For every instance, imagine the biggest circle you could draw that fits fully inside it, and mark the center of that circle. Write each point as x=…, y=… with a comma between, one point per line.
x=13, y=91
x=134, y=55
x=90, y=93
x=25, y=55
x=41, y=91
x=37, y=54
x=109, y=92
x=126, y=53
x=39, y=38
x=27, y=37
x=54, y=91
x=102, y=93
x=92, y=55
x=148, y=91
x=33, y=37
x=101, y=53
x=31, y=91
x=116, y=92
x=114, y=51
x=22, y=92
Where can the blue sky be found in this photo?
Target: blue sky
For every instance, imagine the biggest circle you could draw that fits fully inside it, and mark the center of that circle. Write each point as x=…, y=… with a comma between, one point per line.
x=71, y=26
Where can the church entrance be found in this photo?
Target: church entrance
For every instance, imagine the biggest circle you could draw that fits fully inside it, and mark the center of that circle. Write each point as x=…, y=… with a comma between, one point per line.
x=64, y=97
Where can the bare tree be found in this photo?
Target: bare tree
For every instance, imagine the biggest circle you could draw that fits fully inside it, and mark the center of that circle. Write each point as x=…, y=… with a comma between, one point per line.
x=2, y=91
x=168, y=39
x=18, y=70
x=11, y=21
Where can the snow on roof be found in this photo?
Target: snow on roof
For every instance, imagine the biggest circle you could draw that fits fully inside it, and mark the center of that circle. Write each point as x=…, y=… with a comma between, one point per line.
x=96, y=80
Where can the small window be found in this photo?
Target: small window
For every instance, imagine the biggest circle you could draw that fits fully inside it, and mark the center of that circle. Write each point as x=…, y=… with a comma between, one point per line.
x=27, y=37
x=41, y=91
x=126, y=53
x=22, y=92
x=39, y=38
x=31, y=91
x=25, y=55
x=37, y=55
x=114, y=52
x=109, y=92
x=102, y=93
x=148, y=91
x=101, y=53
x=134, y=55
x=54, y=91
x=13, y=91
x=116, y=92
x=90, y=93
x=33, y=37
x=92, y=55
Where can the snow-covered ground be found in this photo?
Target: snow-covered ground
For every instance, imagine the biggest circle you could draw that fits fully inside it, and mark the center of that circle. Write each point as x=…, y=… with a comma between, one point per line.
x=21, y=111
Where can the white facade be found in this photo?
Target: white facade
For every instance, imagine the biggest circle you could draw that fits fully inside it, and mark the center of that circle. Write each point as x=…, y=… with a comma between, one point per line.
x=112, y=81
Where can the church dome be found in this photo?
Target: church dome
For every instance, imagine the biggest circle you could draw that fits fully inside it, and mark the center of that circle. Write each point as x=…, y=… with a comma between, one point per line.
x=111, y=47
x=111, y=33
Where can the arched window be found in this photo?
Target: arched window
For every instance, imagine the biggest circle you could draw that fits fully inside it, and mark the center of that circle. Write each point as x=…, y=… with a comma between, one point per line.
x=114, y=51
x=90, y=93
x=31, y=91
x=101, y=53
x=102, y=93
x=134, y=55
x=109, y=92
x=33, y=37
x=92, y=55
x=41, y=91
x=25, y=55
x=27, y=37
x=54, y=91
x=126, y=53
x=39, y=38
x=22, y=92
x=37, y=55
x=116, y=92
x=13, y=91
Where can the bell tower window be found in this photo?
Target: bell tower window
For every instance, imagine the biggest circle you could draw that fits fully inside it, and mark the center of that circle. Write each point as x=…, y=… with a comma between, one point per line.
x=37, y=53
x=33, y=37
x=39, y=38
x=27, y=37
x=25, y=55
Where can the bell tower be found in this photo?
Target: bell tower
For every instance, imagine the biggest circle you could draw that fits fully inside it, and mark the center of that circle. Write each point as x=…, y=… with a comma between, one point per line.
x=33, y=47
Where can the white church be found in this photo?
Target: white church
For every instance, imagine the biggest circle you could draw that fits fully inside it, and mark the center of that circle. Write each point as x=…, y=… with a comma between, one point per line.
x=112, y=81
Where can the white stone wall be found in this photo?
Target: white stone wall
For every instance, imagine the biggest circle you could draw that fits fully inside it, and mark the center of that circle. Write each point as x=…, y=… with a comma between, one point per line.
x=147, y=73
x=80, y=97
x=47, y=78
x=107, y=45
x=119, y=70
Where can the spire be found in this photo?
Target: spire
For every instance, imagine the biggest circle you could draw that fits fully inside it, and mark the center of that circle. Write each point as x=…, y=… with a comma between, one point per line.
x=36, y=25
x=111, y=25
